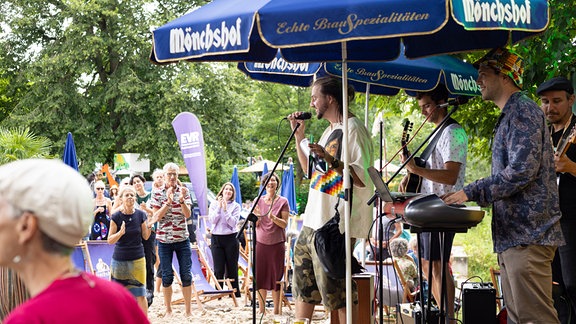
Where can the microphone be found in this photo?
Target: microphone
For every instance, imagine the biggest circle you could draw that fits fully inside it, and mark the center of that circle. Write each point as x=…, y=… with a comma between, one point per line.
x=304, y=116
x=460, y=100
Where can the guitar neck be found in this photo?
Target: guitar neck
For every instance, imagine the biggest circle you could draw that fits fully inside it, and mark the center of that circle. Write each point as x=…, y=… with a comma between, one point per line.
x=561, y=150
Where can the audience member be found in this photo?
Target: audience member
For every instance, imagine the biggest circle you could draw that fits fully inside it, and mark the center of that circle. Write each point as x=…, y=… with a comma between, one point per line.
x=224, y=214
x=142, y=202
x=272, y=211
x=127, y=230
x=102, y=208
x=399, y=252
x=171, y=204
x=40, y=223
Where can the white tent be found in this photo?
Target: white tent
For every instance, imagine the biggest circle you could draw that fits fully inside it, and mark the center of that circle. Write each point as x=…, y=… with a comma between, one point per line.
x=259, y=166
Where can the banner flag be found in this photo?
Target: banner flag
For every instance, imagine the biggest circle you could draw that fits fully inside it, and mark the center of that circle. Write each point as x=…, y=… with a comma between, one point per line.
x=189, y=134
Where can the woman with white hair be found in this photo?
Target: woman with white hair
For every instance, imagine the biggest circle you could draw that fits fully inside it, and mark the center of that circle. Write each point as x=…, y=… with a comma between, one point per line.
x=399, y=251
x=40, y=224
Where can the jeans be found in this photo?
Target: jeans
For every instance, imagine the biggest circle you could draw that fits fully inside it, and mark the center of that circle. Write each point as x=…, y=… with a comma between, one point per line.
x=184, y=256
x=150, y=255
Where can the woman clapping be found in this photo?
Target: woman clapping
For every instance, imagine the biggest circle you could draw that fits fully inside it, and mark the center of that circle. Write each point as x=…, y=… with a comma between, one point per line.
x=272, y=211
x=127, y=229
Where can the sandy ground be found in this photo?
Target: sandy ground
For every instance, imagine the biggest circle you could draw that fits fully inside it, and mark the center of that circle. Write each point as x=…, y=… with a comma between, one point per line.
x=218, y=311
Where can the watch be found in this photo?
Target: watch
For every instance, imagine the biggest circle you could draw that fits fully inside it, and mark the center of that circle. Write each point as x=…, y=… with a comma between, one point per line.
x=335, y=163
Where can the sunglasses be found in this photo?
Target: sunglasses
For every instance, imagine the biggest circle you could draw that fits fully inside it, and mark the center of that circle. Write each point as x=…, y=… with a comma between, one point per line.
x=99, y=188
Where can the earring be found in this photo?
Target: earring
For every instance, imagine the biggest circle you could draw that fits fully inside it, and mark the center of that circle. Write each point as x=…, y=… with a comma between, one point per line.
x=17, y=259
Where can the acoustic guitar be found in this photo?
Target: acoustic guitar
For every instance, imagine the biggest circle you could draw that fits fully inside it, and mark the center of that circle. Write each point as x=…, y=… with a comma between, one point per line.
x=414, y=181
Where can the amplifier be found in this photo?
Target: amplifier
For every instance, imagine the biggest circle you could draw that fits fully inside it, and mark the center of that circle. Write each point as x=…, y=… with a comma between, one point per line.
x=411, y=313
x=478, y=303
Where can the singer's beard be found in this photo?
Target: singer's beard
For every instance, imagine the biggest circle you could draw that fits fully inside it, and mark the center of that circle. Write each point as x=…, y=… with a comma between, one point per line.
x=321, y=110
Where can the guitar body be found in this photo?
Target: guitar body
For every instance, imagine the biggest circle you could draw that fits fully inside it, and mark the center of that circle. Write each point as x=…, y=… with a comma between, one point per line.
x=414, y=181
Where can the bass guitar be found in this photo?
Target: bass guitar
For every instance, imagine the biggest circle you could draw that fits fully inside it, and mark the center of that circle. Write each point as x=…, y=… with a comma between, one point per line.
x=414, y=181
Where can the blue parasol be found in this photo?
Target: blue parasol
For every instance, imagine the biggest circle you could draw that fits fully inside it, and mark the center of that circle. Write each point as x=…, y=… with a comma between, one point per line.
x=373, y=30
x=289, y=189
x=70, y=152
x=385, y=78
x=264, y=172
x=236, y=182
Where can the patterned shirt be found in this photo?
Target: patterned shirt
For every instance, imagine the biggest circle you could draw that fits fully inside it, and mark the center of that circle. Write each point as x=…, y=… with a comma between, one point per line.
x=172, y=227
x=522, y=187
x=452, y=146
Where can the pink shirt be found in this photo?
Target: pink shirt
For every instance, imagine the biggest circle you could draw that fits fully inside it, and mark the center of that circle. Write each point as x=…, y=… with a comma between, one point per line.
x=267, y=232
x=84, y=299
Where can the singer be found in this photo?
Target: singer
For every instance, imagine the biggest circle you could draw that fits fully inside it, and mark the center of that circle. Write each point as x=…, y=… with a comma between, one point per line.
x=311, y=285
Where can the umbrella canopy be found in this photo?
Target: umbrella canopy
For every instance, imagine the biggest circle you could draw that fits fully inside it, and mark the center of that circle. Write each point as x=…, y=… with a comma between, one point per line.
x=313, y=31
x=299, y=74
x=236, y=182
x=289, y=189
x=385, y=78
x=262, y=166
x=264, y=171
x=70, y=152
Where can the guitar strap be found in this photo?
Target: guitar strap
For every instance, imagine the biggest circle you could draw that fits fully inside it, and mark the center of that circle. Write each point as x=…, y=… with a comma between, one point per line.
x=428, y=150
x=567, y=130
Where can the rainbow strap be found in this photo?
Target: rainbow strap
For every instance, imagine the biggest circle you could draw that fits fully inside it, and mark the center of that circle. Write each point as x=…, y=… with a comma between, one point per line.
x=330, y=182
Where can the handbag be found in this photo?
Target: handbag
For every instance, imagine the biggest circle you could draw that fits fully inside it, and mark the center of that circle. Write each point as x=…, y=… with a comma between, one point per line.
x=330, y=247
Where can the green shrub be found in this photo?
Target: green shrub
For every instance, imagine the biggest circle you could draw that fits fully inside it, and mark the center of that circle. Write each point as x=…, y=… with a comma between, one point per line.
x=477, y=243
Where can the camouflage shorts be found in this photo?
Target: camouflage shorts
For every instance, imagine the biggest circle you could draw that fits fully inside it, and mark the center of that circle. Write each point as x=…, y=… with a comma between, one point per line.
x=310, y=283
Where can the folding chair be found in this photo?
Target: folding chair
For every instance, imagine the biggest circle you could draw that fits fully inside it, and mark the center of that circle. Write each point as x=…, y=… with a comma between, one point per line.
x=202, y=289
x=495, y=274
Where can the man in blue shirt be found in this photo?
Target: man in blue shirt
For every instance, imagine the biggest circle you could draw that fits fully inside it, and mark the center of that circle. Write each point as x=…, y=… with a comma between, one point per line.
x=522, y=190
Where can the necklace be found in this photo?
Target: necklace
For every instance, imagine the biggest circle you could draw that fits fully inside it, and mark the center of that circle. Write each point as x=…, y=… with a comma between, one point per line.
x=562, y=137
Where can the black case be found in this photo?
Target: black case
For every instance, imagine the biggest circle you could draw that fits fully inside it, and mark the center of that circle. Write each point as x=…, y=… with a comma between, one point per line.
x=478, y=303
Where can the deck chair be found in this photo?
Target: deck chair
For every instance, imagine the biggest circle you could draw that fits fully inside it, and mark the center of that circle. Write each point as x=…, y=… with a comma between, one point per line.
x=393, y=290
x=86, y=255
x=495, y=274
x=202, y=290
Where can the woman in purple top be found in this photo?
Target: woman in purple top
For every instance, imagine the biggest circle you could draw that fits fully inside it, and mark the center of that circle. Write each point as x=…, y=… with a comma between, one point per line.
x=224, y=215
x=272, y=211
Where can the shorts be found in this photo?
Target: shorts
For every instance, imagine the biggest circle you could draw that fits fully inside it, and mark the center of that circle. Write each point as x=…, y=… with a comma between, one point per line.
x=310, y=283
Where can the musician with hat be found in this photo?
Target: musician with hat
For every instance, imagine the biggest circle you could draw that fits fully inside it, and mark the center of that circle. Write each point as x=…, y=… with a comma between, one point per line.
x=557, y=98
x=521, y=189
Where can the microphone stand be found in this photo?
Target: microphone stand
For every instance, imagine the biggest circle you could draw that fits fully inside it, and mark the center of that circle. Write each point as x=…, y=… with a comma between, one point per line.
x=253, y=218
x=425, y=314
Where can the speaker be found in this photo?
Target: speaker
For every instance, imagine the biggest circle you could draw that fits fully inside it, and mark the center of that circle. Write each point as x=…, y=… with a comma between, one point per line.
x=478, y=303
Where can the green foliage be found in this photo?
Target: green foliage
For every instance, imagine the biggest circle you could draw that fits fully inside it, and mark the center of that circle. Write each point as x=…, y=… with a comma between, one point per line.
x=20, y=143
x=477, y=243
x=85, y=69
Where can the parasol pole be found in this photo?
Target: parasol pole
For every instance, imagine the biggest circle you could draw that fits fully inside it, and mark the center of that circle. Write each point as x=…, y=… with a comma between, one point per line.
x=346, y=174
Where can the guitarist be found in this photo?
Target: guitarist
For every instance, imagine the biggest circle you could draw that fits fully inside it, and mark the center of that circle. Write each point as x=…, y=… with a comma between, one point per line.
x=557, y=97
x=444, y=172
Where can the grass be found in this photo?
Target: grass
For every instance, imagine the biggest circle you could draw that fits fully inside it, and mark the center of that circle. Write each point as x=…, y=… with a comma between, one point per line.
x=477, y=243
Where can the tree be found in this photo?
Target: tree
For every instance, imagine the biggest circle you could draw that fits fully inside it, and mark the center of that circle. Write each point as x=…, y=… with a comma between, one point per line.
x=86, y=69
x=20, y=143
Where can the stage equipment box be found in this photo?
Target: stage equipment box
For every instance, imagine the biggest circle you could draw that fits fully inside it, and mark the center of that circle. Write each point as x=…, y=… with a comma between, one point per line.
x=478, y=303
x=411, y=313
